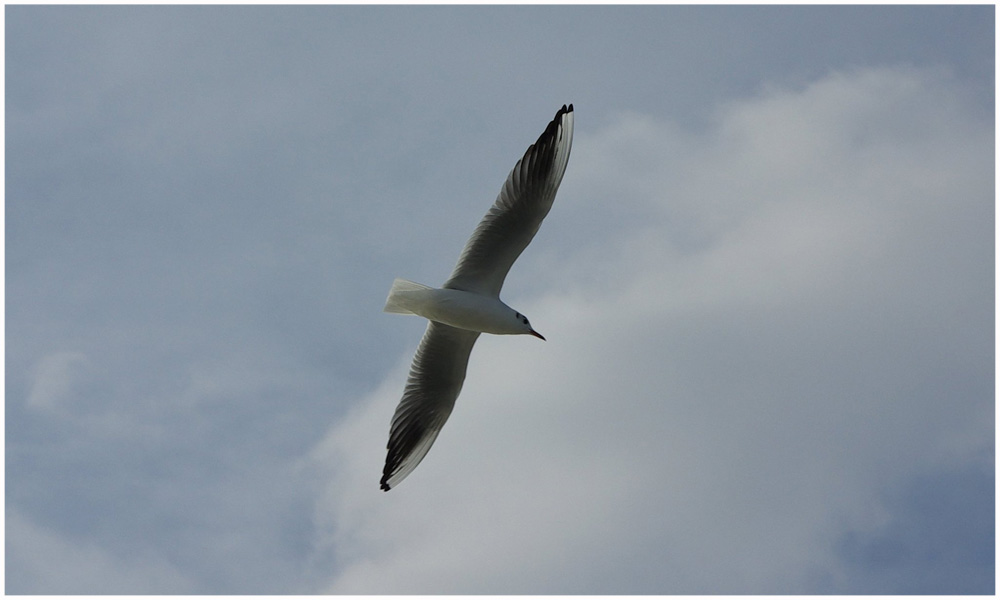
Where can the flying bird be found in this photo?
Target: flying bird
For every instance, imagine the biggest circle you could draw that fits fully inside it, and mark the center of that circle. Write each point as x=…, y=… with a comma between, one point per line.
x=469, y=302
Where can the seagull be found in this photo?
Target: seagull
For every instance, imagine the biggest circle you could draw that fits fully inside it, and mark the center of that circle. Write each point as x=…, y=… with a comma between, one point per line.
x=469, y=302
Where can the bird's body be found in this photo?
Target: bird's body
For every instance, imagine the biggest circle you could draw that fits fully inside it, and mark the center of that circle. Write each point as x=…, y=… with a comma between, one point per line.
x=458, y=308
x=469, y=303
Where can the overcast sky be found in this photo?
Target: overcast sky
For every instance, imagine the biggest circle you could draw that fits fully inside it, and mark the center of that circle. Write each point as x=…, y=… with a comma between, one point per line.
x=767, y=285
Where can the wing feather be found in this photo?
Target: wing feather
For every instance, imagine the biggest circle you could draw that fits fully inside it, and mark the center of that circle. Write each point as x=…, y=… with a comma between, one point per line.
x=435, y=380
x=512, y=221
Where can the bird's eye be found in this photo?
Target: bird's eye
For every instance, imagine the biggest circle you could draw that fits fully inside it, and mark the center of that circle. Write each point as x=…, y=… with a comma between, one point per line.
x=525, y=321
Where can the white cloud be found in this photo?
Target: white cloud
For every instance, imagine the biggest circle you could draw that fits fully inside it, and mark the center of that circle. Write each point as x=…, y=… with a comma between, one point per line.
x=55, y=377
x=40, y=558
x=735, y=377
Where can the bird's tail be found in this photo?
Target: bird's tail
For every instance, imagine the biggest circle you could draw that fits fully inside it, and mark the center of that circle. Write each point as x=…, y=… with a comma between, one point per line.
x=403, y=296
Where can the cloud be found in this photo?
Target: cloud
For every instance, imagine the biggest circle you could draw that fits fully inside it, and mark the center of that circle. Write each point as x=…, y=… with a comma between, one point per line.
x=765, y=332
x=55, y=377
x=81, y=567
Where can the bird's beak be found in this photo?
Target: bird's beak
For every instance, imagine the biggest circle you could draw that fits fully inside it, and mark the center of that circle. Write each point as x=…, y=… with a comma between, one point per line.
x=537, y=335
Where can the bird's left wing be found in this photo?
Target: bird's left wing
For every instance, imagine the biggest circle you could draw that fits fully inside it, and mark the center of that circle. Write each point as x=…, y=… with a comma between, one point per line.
x=435, y=379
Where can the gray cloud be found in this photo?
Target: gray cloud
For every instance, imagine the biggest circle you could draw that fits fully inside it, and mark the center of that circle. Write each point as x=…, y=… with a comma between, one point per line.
x=717, y=419
x=767, y=285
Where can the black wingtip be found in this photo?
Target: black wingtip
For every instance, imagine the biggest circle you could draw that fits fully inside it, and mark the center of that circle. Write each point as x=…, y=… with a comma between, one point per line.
x=550, y=129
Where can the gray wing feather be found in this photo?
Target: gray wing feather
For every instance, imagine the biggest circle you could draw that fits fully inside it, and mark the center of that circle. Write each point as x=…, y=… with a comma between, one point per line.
x=435, y=379
x=512, y=221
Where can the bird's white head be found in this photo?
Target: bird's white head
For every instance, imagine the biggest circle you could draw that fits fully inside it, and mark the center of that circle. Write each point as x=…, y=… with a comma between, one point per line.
x=525, y=327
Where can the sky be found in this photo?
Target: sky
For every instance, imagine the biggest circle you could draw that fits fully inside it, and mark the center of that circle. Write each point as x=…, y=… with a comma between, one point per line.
x=767, y=285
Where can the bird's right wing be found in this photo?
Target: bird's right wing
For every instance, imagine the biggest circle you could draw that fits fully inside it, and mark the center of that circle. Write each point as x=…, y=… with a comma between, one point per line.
x=517, y=213
x=435, y=379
